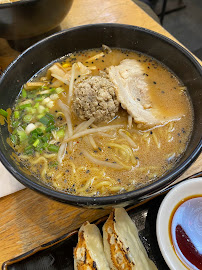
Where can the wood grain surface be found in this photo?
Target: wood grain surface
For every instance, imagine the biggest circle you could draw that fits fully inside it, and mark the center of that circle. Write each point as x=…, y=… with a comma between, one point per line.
x=28, y=219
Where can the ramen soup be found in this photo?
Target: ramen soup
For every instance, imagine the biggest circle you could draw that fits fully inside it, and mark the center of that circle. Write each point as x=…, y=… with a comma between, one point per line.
x=101, y=122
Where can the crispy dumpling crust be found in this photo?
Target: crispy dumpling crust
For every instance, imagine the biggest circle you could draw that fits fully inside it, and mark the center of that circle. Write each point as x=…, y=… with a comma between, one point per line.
x=115, y=252
x=82, y=258
x=122, y=246
x=89, y=253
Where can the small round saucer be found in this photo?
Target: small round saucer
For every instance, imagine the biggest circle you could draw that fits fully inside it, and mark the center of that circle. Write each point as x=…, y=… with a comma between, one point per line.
x=187, y=189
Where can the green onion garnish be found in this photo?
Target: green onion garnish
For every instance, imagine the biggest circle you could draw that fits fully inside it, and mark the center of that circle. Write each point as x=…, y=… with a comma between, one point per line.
x=29, y=150
x=50, y=128
x=23, y=106
x=14, y=139
x=21, y=134
x=36, y=143
x=53, y=148
x=3, y=112
x=47, y=119
x=16, y=114
x=27, y=118
x=24, y=93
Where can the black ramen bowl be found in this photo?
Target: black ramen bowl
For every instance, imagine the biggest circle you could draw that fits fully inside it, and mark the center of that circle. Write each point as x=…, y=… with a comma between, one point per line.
x=179, y=60
x=29, y=18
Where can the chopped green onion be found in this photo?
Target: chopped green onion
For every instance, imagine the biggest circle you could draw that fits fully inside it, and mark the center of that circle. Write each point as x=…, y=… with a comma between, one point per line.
x=60, y=133
x=30, y=110
x=21, y=134
x=27, y=118
x=29, y=150
x=14, y=131
x=16, y=114
x=42, y=127
x=32, y=139
x=39, y=131
x=45, y=145
x=40, y=115
x=52, y=90
x=23, y=106
x=50, y=136
x=14, y=139
x=36, y=143
x=40, y=147
x=36, y=132
x=24, y=125
x=36, y=105
x=46, y=138
x=34, y=136
x=50, y=116
x=50, y=128
x=47, y=119
x=39, y=98
x=24, y=93
x=3, y=112
x=31, y=94
x=53, y=148
x=15, y=124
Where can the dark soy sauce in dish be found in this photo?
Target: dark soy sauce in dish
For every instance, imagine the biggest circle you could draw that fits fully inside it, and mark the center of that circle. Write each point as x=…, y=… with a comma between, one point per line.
x=186, y=231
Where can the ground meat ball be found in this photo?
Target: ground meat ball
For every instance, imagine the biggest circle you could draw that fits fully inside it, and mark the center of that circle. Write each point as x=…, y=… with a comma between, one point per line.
x=94, y=96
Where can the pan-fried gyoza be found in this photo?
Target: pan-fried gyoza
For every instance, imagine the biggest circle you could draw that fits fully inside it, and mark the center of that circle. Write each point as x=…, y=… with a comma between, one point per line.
x=122, y=245
x=120, y=248
x=101, y=122
x=89, y=252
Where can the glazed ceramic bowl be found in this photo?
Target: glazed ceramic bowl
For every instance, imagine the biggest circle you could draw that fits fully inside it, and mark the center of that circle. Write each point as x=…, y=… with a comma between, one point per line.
x=188, y=189
x=29, y=18
x=179, y=60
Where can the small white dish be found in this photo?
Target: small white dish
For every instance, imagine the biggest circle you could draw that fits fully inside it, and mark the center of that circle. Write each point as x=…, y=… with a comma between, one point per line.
x=188, y=188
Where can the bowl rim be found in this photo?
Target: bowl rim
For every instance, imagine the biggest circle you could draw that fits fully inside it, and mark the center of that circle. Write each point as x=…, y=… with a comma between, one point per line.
x=143, y=192
x=181, y=191
x=16, y=4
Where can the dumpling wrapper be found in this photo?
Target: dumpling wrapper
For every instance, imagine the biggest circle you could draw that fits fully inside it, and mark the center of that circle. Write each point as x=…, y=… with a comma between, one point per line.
x=89, y=252
x=122, y=245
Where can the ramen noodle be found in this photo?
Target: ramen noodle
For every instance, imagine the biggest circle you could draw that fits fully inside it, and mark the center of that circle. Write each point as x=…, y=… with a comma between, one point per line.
x=73, y=131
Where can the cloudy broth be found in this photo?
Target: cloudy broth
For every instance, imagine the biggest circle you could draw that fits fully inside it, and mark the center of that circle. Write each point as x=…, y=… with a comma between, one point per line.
x=154, y=152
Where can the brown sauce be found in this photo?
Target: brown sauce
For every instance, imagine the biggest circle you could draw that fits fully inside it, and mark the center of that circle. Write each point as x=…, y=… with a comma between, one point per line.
x=186, y=232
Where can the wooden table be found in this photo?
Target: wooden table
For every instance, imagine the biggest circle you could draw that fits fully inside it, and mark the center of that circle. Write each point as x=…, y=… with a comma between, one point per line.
x=28, y=219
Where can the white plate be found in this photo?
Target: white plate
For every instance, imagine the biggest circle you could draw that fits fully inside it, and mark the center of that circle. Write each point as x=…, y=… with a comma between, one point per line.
x=183, y=190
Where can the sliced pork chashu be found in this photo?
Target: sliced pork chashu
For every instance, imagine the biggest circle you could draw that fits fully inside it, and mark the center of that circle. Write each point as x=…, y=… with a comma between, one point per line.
x=122, y=246
x=89, y=252
x=133, y=93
